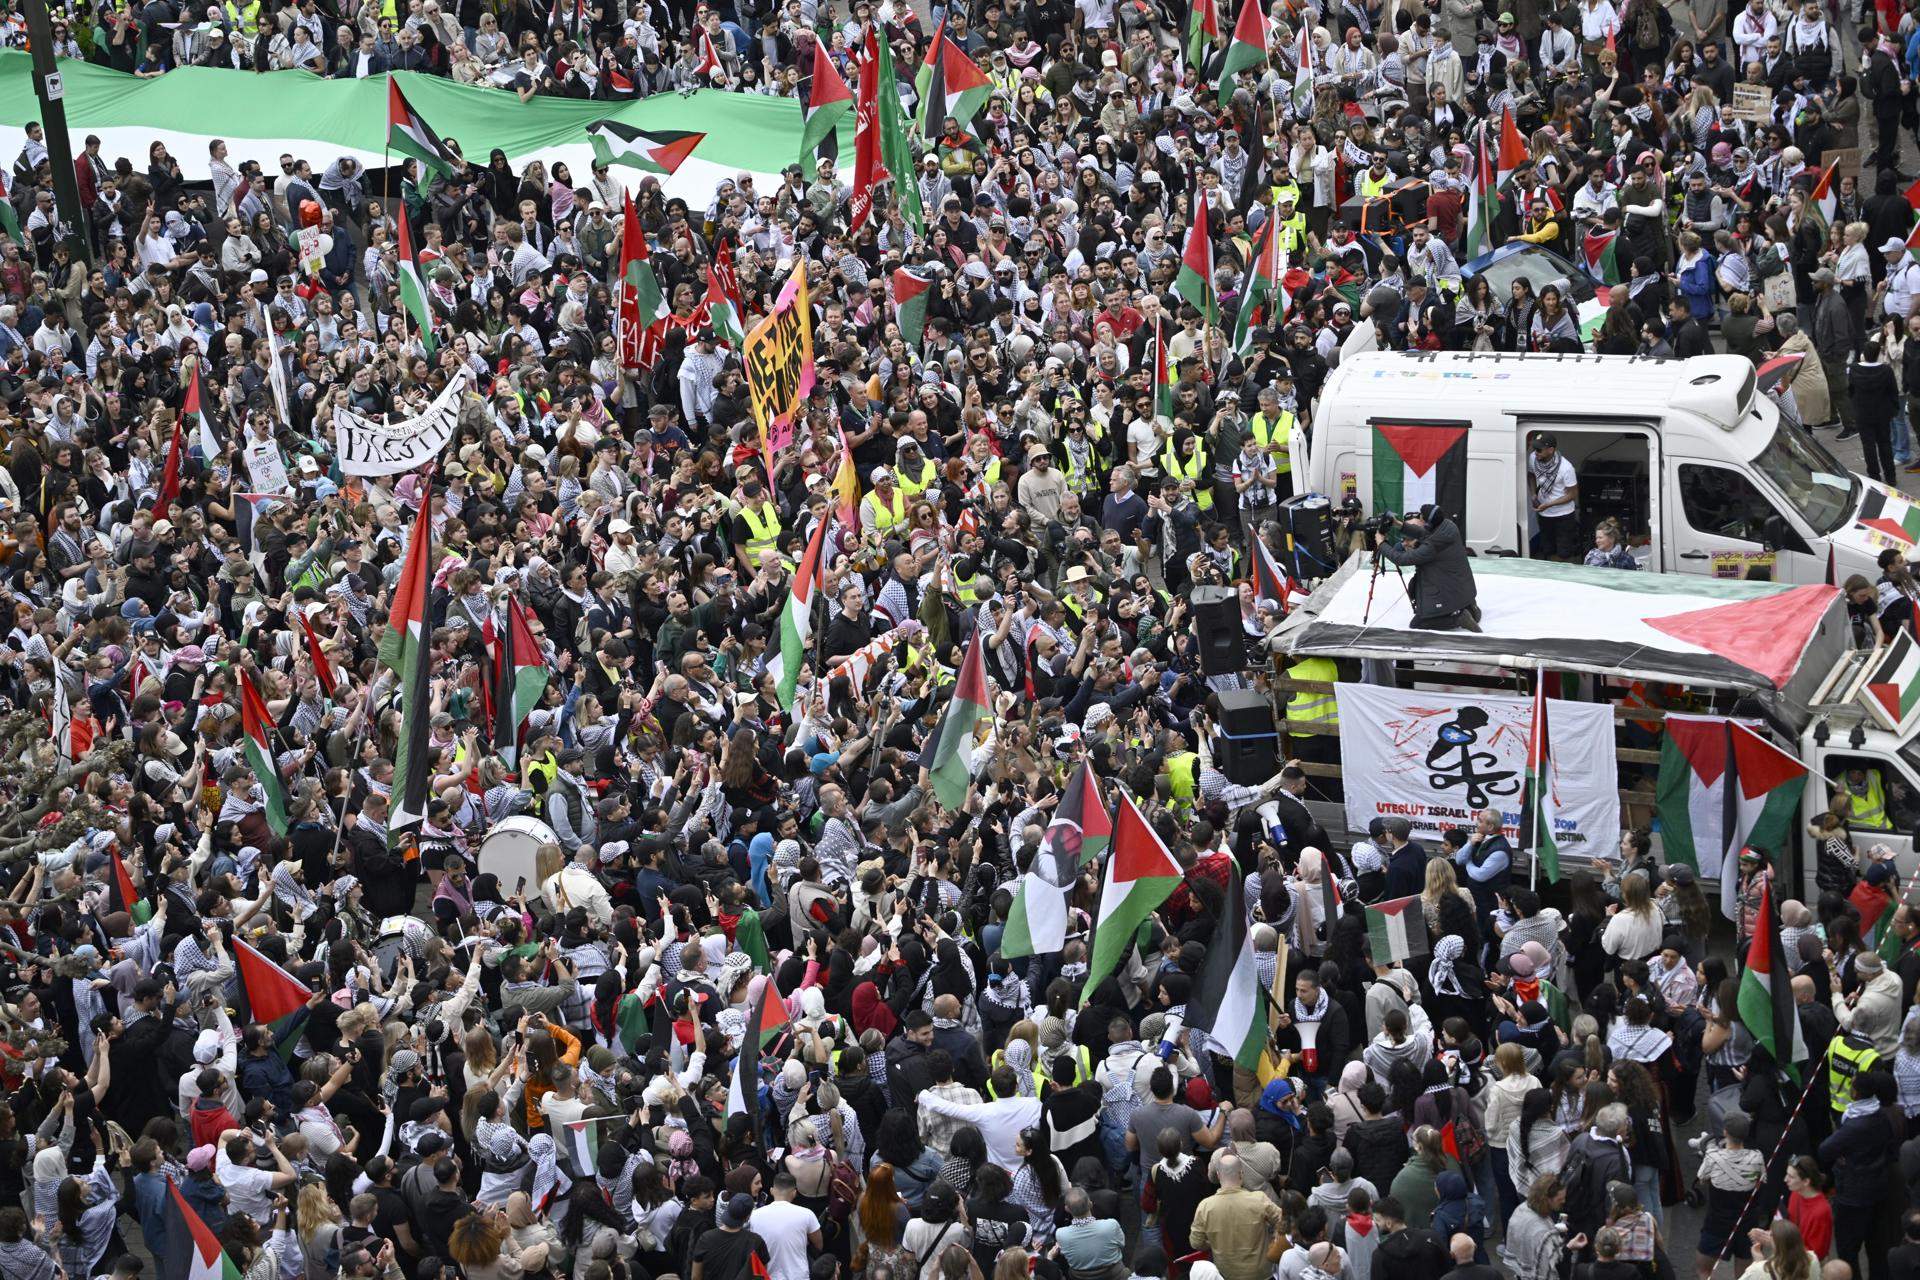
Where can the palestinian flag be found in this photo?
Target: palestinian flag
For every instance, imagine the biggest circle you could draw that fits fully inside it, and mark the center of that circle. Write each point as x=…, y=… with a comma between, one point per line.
x=413, y=287
x=193, y=1252
x=650, y=151
x=1891, y=516
x=896, y=150
x=630, y=1021
x=206, y=436
x=1824, y=197
x=579, y=1148
x=1141, y=874
x=750, y=936
x=949, y=756
x=1037, y=922
x=949, y=85
x=1913, y=236
x=1601, y=250
x=1162, y=371
x=9, y=216
x=911, y=293
x=1258, y=291
x=618, y=81
x=1766, y=1001
x=1485, y=202
x=1203, y=24
x=1226, y=1002
x=1268, y=582
x=410, y=135
x=1397, y=930
x=1303, y=73
x=1892, y=691
x=796, y=621
x=130, y=900
x=1558, y=1007
x=723, y=313
x=743, y=1091
x=1248, y=48
x=1538, y=807
x=170, y=474
x=272, y=994
x=642, y=306
x=322, y=669
x=1415, y=463
x=405, y=651
x=1723, y=787
x=1195, y=281
x=827, y=102
x=520, y=679
x=255, y=724
x=1511, y=152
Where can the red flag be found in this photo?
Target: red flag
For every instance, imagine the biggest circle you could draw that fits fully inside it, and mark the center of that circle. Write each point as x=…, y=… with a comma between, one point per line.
x=272, y=992
x=618, y=82
x=322, y=669
x=170, y=478
x=868, y=167
x=122, y=882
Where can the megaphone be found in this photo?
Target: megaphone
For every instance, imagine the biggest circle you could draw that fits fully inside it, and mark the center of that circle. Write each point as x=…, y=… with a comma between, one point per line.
x=1309, y=1046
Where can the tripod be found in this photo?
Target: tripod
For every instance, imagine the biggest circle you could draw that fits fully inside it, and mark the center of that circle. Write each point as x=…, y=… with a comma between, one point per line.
x=1366, y=613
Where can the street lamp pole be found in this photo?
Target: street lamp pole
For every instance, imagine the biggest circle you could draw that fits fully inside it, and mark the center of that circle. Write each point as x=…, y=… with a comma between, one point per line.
x=50, y=88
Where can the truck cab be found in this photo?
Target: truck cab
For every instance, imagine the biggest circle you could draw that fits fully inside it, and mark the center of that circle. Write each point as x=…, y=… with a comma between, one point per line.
x=1705, y=473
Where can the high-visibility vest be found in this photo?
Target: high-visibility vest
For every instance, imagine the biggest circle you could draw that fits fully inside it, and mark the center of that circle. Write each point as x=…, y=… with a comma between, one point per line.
x=1183, y=773
x=1190, y=471
x=1869, y=809
x=1370, y=186
x=539, y=774
x=1082, y=1067
x=1275, y=431
x=763, y=529
x=1080, y=479
x=1292, y=234
x=1288, y=188
x=1307, y=705
x=1071, y=602
x=914, y=486
x=968, y=589
x=999, y=1060
x=880, y=517
x=1847, y=1057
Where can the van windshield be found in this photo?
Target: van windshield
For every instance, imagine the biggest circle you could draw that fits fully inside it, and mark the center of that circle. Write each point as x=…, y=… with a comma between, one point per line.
x=1817, y=485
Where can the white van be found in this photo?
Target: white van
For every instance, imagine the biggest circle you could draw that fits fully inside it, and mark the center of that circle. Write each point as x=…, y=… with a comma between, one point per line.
x=1705, y=474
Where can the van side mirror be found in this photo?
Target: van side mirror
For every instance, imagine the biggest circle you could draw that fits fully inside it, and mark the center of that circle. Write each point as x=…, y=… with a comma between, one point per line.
x=1778, y=535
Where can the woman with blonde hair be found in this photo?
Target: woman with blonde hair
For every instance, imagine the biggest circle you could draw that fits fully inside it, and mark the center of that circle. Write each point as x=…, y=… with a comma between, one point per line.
x=1635, y=930
x=318, y=1220
x=1780, y=1254
x=1441, y=881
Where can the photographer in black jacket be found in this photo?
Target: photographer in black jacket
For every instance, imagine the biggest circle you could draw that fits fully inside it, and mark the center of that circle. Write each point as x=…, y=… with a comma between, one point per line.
x=1444, y=597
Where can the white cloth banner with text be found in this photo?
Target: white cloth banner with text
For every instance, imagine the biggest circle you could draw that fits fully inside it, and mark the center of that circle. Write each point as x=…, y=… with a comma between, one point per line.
x=368, y=448
x=1437, y=758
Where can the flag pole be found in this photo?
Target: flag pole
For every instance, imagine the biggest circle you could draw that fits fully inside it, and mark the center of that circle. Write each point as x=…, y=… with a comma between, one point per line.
x=1093, y=920
x=1533, y=732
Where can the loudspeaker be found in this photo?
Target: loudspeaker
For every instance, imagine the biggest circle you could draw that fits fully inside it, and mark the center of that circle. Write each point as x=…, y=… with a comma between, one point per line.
x=1217, y=631
x=1308, y=520
x=1249, y=746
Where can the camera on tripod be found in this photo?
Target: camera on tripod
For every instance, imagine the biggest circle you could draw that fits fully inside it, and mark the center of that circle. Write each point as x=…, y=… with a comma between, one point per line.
x=1380, y=526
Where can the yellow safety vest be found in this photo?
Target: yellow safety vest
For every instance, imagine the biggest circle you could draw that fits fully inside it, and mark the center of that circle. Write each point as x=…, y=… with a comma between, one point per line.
x=999, y=1060
x=539, y=774
x=1274, y=431
x=1072, y=603
x=968, y=589
x=1370, y=187
x=1082, y=1067
x=879, y=516
x=763, y=529
x=1280, y=189
x=1189, y=471
x=1869, y=810
x=244, y=16
x=1319, y=708
x=1183, y=773
x=1292, y=234
x=1844, y=1062
x=919, y=484
x=1080, y=479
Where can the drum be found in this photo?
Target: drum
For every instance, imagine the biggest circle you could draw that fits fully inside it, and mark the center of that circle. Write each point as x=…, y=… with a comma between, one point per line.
x=511, y=851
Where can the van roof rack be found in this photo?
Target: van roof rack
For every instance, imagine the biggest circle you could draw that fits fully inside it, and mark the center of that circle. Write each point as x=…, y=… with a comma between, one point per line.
x=1533, y=357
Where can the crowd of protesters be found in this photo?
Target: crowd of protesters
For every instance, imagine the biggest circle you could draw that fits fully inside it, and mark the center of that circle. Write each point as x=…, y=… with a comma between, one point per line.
x=929, y=1107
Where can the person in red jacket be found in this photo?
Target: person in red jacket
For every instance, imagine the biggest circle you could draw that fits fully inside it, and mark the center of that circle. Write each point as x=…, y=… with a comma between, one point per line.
x=210, y=1117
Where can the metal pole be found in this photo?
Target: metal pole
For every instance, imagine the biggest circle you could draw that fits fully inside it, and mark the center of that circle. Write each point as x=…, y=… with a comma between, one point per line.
x=50, y=89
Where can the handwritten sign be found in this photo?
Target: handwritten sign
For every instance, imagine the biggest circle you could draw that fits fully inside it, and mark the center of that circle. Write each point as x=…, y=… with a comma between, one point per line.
x=1752, y=102
x=778, y=356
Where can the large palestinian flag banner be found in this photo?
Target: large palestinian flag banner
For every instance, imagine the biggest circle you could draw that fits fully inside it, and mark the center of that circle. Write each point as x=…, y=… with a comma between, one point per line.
x=1415, y=463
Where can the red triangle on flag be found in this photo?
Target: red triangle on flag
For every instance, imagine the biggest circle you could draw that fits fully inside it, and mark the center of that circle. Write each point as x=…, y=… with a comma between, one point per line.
x=1759, y=764
x=1420, y=447
x=272, y=992
x=1138, y=853
x=1704, y=744
x=1912, y=194
x=1766, y=635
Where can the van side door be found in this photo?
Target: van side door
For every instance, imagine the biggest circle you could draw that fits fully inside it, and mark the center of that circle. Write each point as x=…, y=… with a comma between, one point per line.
x=1725, y=526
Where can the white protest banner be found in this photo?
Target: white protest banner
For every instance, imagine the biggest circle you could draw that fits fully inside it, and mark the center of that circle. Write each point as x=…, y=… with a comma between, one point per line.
x=265, y=467
x=368, y=448
x=1437, y=758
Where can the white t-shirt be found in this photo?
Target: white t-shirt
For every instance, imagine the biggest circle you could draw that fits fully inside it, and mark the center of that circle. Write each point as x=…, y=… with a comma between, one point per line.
x=1552, y=482
x=249, y=1190
x=785, y=1227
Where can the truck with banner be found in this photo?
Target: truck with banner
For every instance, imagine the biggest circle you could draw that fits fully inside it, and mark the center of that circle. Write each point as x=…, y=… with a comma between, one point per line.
x=1723, y=714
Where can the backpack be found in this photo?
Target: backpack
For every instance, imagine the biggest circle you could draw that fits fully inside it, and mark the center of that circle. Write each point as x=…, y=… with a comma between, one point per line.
x=843, y=1192
x=1646, y=26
